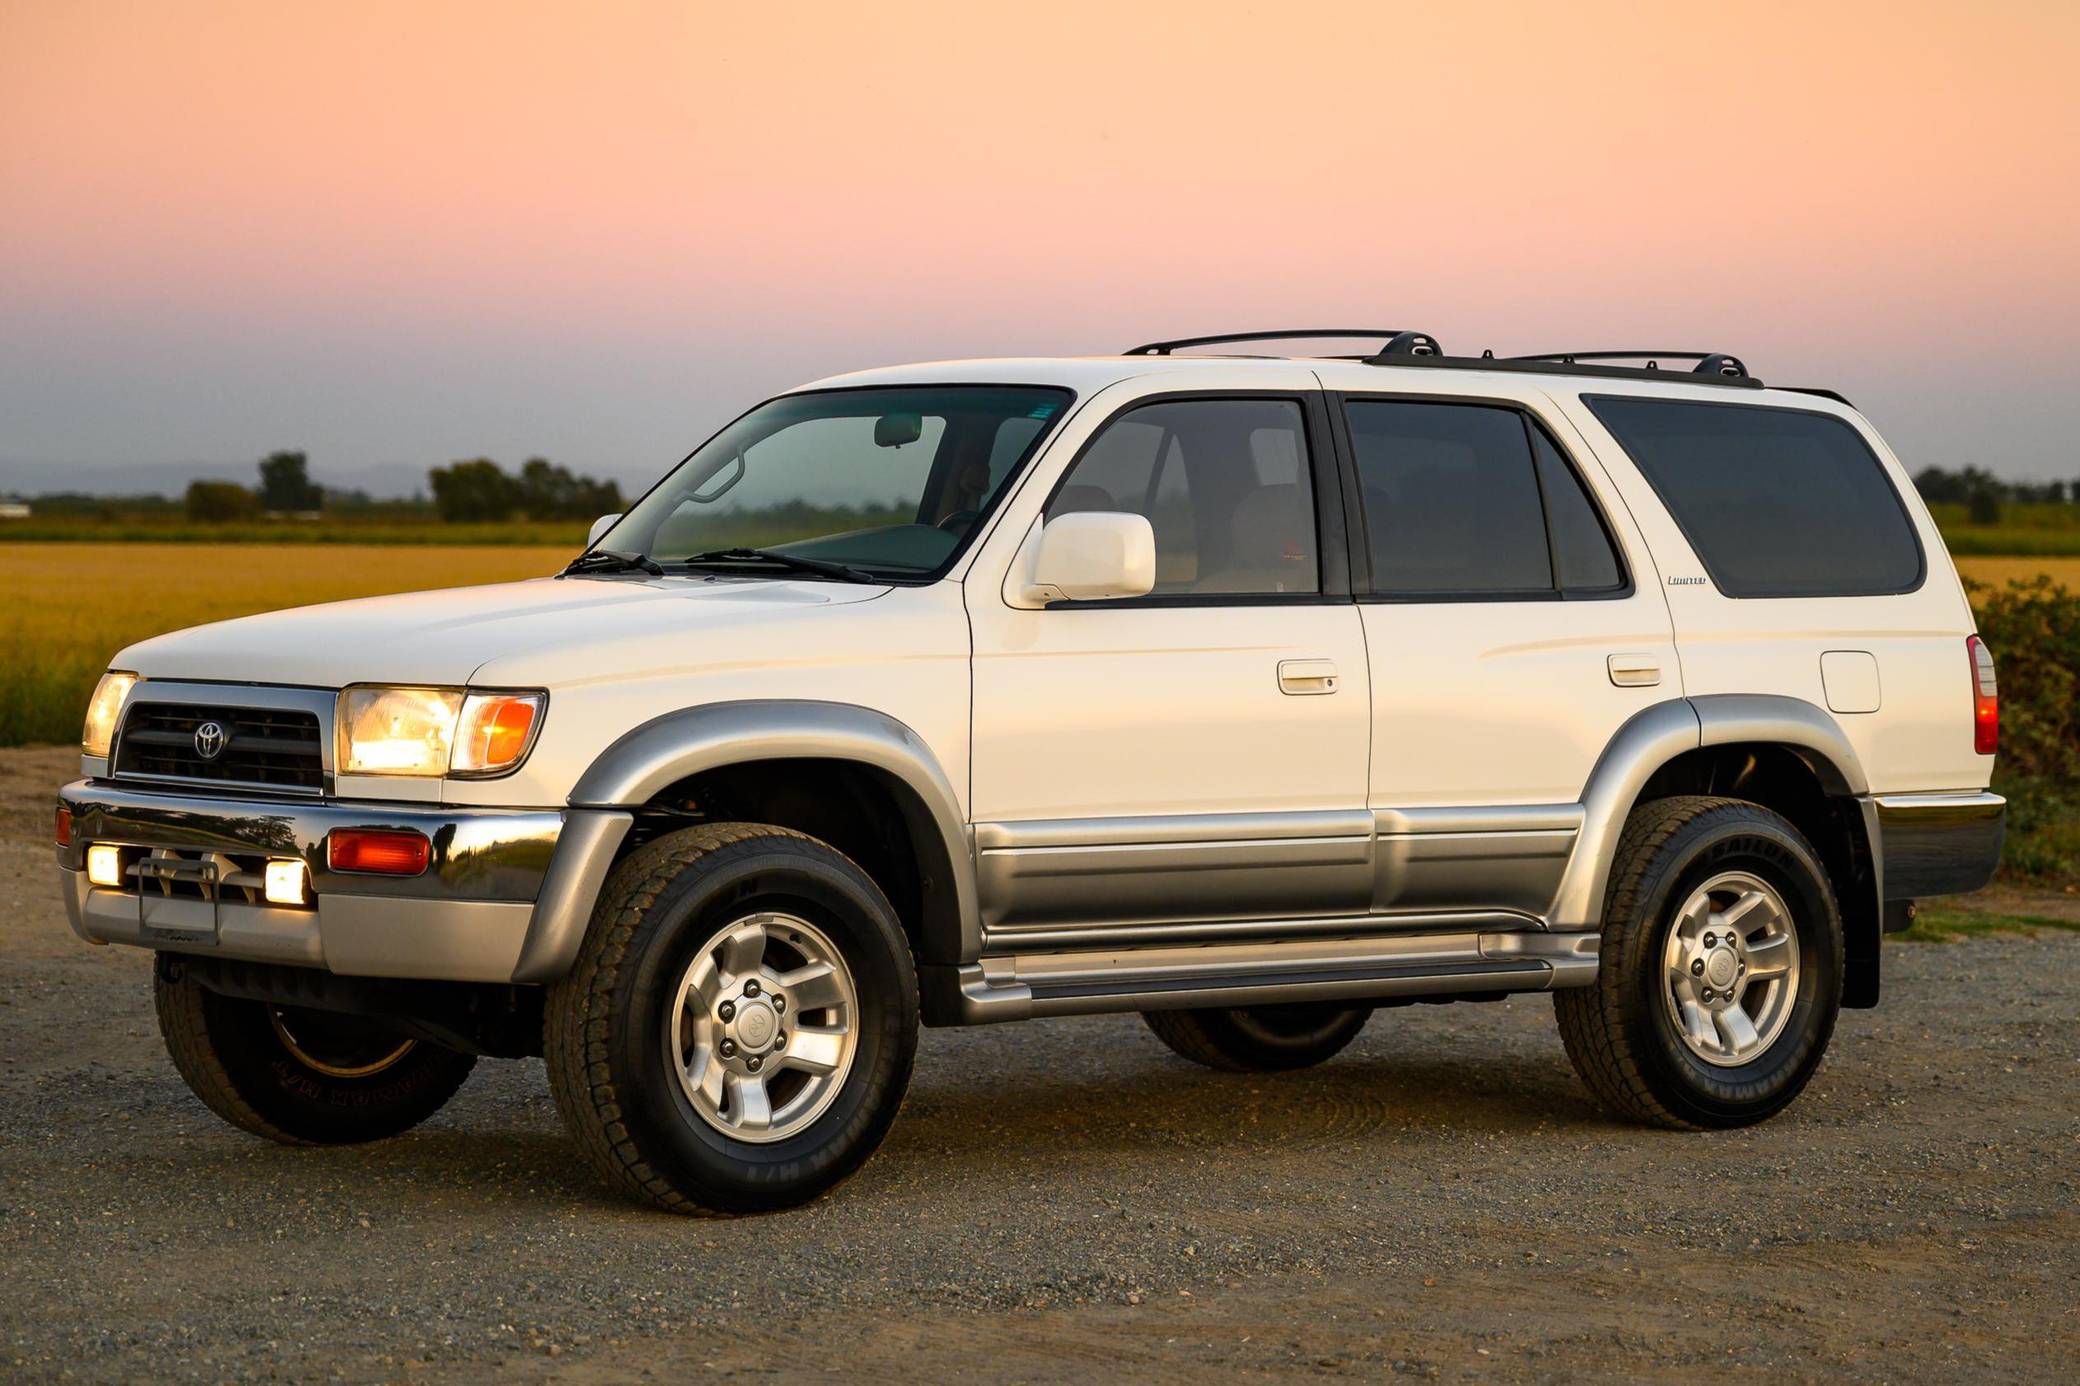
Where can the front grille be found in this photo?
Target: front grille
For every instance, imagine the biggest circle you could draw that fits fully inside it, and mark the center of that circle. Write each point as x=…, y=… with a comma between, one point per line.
x=271, y=747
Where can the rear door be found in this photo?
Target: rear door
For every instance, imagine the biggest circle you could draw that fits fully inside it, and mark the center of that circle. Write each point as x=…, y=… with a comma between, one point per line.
x=1514, y=621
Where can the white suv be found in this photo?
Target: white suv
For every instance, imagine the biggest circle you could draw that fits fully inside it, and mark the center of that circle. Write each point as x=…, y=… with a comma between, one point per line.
x=1248, y=693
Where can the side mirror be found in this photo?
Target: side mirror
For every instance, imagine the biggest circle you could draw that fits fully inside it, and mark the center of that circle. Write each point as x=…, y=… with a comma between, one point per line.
x=600, y=528
x=1093, y=555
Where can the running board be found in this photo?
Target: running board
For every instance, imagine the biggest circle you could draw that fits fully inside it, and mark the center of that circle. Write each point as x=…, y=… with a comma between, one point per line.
x=1028, y=985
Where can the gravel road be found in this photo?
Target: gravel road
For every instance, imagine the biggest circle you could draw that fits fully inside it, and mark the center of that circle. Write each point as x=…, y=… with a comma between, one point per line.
x=1068, y=1200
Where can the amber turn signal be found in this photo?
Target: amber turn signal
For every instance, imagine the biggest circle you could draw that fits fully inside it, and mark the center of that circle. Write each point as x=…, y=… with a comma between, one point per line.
x=378, y=851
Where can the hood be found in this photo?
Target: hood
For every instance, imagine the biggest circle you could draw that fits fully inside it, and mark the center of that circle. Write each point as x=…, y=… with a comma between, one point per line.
x=444, y=637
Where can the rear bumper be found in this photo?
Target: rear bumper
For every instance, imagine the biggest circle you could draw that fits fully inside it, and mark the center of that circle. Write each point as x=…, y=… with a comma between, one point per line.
x=505, y=898
x=1937, y=844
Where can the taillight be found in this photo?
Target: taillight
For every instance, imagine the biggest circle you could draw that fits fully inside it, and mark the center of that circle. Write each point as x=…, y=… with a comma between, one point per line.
x=378, y=851
x=1986, y=701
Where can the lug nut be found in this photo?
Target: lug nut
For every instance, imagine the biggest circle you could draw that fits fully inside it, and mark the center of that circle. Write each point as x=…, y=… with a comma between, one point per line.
x=1709, y=940
x=729, y=1048
x=779, y=1003
x=1707, y=993
x=779, y=1039
x=1696, y=970
x=727, y=1010
x=754, y=1063
x=751, y=987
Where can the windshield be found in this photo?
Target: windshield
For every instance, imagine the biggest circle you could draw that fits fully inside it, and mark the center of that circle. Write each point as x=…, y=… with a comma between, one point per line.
x=889, y=482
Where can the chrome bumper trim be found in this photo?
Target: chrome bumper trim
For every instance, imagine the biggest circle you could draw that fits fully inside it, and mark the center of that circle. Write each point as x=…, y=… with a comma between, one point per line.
x=1937, y=844
x=507, y=897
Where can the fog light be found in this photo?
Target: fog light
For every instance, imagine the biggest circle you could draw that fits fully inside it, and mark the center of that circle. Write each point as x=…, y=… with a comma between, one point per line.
x=287, y=883
x=105, y=865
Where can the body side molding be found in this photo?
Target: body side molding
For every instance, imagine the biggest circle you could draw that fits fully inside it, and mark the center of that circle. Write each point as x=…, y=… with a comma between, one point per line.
x=666, y=749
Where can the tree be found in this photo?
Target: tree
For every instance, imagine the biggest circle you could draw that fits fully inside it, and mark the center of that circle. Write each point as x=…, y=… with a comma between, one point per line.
x=285, y=483
x=550, y=492
x=473, y=490
x=216, y=501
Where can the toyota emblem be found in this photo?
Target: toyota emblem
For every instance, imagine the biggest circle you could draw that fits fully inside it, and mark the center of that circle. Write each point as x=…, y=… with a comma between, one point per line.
x=210, y=740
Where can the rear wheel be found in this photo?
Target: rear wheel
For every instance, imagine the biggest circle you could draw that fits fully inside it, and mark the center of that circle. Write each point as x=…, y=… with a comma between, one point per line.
x=1259, y=1039
x=1721, y=968
x=300, y=1076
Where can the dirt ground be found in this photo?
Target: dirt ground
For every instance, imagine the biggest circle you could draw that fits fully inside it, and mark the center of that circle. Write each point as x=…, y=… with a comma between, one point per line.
x=1069, y=1200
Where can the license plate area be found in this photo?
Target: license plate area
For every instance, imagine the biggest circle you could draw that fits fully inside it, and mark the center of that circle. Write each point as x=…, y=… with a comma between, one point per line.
x=175, y=915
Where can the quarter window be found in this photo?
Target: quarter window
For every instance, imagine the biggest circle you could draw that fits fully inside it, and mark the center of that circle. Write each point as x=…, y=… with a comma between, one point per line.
x=1472, y=500
x=1224, y=484
x=1776, y=502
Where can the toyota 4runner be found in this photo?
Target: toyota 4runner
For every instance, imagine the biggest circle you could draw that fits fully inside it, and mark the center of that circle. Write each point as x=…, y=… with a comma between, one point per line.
x=1250, y=693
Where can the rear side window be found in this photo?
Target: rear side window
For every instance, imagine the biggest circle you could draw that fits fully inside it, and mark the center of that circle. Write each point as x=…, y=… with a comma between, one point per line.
x=1474, y=501
x=1775, y=502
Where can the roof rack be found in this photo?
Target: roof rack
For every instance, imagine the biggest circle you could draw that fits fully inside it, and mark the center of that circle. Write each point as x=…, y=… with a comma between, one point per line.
x=1405, y=348
x=1398, y=342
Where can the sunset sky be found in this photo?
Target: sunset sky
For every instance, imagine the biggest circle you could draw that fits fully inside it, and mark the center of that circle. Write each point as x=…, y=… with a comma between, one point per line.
x=398, y=234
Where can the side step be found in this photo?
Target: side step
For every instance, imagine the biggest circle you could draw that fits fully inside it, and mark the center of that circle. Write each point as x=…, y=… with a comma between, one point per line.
x=1028, y=985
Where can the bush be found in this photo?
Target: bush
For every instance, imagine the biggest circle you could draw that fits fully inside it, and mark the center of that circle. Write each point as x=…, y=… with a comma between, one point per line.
x=2033, y=629
x=216, y=501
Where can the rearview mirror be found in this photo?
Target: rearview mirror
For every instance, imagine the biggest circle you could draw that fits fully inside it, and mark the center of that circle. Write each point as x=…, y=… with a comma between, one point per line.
x=600, y=528
x=1092, y=556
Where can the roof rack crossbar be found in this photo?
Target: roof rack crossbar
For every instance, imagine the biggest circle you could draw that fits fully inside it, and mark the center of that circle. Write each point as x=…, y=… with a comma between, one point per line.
x=1410, y=343
x=1708, y=362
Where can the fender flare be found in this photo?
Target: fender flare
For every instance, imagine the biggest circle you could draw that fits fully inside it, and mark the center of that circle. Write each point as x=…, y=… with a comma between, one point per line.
x=651, y=757
x=1656, y=735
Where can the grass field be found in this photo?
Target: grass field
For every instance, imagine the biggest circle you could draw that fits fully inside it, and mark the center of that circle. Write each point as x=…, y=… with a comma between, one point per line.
x=69, y=607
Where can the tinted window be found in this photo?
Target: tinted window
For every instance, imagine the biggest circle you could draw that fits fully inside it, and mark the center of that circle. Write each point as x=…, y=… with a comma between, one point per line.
x=1457, y=502
x=1582, y=553
x=1776, y=502
x=1224, y=484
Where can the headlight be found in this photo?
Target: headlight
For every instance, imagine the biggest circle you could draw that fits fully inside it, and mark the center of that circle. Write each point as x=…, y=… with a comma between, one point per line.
x=101, y=712
x=434, y=731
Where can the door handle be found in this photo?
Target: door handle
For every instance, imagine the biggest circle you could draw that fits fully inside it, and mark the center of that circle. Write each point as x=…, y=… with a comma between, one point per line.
x=1306, y=677
x=1634, y=670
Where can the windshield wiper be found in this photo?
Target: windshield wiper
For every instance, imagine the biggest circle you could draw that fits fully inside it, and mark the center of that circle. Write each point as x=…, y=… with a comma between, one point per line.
x=821, y=567
x=611, y=561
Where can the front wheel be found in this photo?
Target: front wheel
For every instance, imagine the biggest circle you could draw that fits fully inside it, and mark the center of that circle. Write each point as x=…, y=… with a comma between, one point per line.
x=300, y=1076
x=739, y=1028
x=1721, y=968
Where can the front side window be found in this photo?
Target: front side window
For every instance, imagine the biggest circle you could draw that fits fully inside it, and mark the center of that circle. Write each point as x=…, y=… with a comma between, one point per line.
x=1474, y=500
x=1223, y=482
x=885, y=482
x=1776, y=502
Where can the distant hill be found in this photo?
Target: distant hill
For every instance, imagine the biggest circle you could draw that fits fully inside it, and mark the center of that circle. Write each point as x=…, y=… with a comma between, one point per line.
x=382, y=480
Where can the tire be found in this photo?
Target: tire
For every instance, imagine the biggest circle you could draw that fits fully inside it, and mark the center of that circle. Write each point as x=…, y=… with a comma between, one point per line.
x=301, y=1077
x=1653, y=1038
x=1259, y=1039
x=656, y=1079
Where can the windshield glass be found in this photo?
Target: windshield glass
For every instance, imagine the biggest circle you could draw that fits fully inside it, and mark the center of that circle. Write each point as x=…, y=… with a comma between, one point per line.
x=887, y=481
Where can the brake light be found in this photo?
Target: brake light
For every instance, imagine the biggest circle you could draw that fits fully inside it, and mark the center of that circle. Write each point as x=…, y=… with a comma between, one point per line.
x=1986, y=701
x=377, y=851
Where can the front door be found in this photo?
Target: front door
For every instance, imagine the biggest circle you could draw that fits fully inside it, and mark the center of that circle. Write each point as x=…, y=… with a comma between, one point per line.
x=1198, y=754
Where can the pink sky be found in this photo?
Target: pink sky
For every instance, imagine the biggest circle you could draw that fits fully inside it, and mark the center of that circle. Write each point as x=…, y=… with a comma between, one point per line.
x=402, y=233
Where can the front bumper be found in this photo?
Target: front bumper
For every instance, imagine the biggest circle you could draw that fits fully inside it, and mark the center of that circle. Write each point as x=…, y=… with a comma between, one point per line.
x=505, y=898
x=1936, y=844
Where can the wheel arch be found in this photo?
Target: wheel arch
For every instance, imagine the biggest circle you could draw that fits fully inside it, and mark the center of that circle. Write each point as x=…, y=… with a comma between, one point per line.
x=1784, y=753
x=886, y=763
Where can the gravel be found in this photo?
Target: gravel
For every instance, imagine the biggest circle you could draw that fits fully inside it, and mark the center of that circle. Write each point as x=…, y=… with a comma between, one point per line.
x=1066, y=1199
